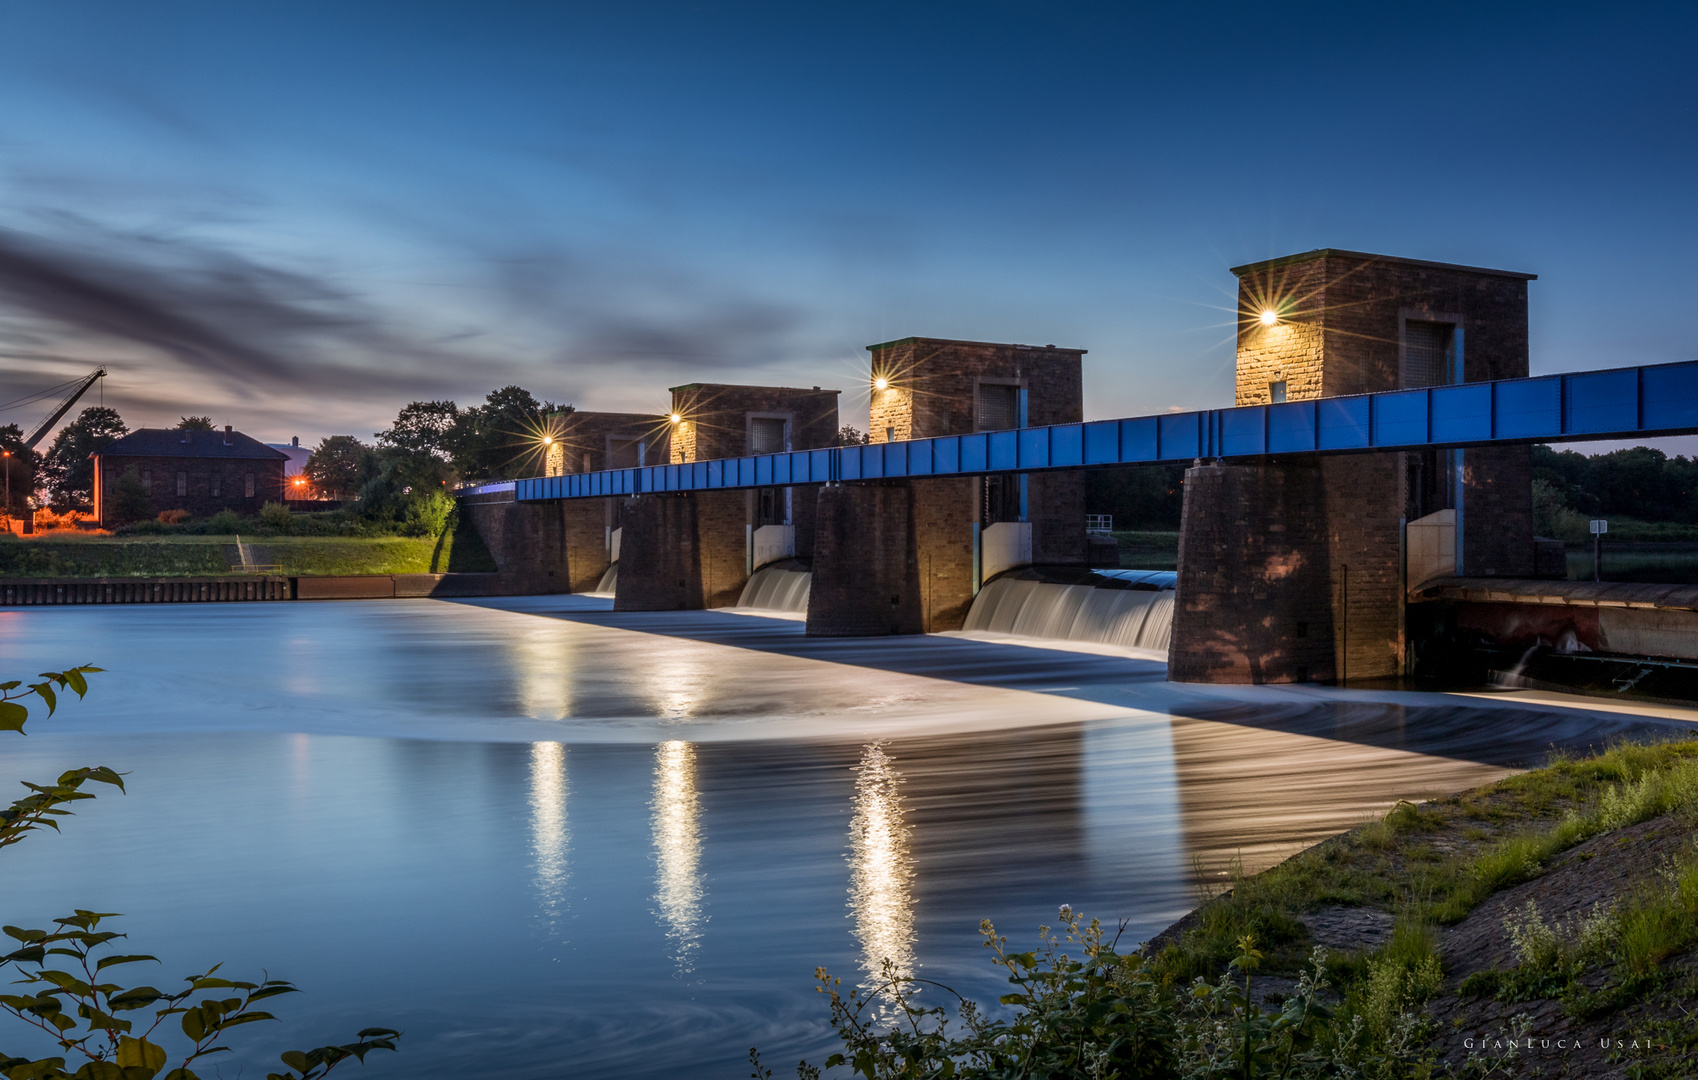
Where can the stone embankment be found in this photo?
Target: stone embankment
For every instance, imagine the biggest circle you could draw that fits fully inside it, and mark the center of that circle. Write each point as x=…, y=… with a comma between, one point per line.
x=35, y=592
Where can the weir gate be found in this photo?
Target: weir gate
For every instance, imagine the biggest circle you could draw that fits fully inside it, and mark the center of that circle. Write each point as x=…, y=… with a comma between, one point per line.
x=1374, y=470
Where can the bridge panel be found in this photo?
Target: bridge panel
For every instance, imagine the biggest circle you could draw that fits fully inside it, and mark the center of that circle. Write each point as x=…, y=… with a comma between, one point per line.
x=1670, y=397
x=1619, y=403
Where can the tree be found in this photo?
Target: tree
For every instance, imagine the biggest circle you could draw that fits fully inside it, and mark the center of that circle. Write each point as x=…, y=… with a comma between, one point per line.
x=68, y=467
x=195, y=423
x=18, y=470
x=503, y=437
x=1139, y=497
x=340, y=466
x=423, y=427
x=130, y=501
x=67, y=976
x=850, y=435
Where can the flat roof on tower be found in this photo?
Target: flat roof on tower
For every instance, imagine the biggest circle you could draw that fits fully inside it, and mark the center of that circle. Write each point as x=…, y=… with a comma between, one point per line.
x=1325, y=253
x=961, y=341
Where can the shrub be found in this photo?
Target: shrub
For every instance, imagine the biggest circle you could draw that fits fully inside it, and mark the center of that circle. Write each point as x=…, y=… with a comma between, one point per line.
x=428, y=513
x=225, y=521
x=173, y=517
x=275, y=515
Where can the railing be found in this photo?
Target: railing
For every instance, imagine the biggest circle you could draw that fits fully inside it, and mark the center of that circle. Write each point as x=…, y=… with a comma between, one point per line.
x=1616, y=403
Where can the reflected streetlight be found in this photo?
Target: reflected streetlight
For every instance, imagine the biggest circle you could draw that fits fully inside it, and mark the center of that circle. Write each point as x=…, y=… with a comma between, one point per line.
x=551, y=831
x=881, y=868
x=678, y=850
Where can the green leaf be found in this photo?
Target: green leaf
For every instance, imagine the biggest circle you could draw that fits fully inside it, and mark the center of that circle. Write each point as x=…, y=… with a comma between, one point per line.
x=46, y=692
x=12, y=716
x=194, y=1024
x=78, y=683
x=108, y=961
x=140, y=1053
x=295, y=1060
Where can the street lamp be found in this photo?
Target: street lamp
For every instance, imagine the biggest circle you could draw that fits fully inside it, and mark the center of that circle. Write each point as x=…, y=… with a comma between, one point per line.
x=7, y=454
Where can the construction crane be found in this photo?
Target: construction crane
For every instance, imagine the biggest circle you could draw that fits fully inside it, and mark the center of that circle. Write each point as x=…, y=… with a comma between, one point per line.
x=64, y=407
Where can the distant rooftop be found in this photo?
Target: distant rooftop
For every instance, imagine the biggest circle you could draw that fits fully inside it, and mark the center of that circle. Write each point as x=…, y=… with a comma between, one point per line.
x=960, y=341
x=748, y=386
x=174, y=442
x=1328, y=253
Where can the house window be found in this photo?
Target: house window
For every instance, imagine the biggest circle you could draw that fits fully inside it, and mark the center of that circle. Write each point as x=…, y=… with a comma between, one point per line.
x=248, y=485
x=217, y=485
x=182, y=483
x=1428, y=351
x=999, y=407
x=147, y=479
x=1276, y=391
x=766, y=435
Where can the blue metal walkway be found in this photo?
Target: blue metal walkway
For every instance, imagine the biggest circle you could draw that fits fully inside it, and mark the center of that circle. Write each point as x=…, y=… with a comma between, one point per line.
x=1618, y=403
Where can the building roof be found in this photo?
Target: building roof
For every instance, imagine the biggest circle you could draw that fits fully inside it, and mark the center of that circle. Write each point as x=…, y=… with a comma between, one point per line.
x=747, y=386
x=961, y=341
x=175, y=443
x=1341, y=253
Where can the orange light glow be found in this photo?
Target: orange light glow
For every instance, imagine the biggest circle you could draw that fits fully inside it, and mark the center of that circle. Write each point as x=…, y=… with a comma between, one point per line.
x=1269, y=316
x=881, y=383
x=676, y=419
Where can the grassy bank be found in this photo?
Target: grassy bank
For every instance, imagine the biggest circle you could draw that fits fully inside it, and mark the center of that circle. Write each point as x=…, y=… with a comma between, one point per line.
x=68, y=556
x=1545, y=925
x=1149, y=550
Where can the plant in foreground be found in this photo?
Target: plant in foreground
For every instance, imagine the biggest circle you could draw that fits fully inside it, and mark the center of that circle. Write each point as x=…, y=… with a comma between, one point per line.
x=118, y=1032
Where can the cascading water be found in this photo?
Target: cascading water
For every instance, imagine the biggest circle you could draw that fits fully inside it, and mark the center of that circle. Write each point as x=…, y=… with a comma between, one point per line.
x=781, y=586
x=1130, y=608
x=609, y=583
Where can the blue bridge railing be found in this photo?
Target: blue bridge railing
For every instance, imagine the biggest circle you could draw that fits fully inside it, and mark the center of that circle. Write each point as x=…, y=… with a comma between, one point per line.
x=1616, y=403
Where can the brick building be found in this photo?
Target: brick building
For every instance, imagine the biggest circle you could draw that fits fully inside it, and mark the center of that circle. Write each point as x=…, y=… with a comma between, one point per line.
x=697, y=550
x=201, y=472
x=897, y=556
x=1294, y=569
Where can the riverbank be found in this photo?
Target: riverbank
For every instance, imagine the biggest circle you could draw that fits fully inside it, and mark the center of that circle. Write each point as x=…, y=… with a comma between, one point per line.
x=63, y=556
x=1558, y=906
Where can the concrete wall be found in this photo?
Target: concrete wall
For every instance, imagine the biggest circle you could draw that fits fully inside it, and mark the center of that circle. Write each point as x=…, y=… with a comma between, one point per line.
x=866, y=579
x=660, y=566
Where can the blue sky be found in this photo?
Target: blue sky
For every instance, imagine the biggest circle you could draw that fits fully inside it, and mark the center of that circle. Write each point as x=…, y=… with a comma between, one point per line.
x=299, y=217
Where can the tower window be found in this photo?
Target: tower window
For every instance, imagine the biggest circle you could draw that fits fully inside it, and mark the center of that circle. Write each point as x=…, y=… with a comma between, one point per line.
x=999, y=407
x=1428, y=351
x=766, y=435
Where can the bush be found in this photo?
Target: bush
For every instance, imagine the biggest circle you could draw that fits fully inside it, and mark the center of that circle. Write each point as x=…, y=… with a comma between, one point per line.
x=428, y=513
x=275, y=515
x=173, y=517
x=225, y=521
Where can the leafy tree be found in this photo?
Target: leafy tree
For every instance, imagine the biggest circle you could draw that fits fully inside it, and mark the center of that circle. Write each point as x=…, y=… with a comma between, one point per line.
x=502, y=438
x=65, y=977
x=850, y=435
x=423, y=427
x=18, y=471
x=67, y=467
x=340, y=466
x=194, y=423
x=130, y=501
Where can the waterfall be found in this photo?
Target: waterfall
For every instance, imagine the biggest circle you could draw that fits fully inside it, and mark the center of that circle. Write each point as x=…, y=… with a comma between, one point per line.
x=1137, y=614
x=778, y=587
x=609, y=583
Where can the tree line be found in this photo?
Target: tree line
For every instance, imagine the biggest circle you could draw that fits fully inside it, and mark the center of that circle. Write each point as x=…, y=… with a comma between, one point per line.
x=430, y=446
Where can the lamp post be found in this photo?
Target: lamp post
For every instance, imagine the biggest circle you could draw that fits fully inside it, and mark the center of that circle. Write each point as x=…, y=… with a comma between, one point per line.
x=7, y=454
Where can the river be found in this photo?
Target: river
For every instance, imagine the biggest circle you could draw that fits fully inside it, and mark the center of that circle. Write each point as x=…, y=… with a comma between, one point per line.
x=546, y=840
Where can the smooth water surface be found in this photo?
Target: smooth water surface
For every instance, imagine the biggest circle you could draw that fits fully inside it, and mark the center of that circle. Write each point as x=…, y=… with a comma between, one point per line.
x=547, y=840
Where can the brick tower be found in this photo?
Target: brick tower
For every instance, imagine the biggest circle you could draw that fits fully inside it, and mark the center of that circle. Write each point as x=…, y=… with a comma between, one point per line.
x=1293, y=569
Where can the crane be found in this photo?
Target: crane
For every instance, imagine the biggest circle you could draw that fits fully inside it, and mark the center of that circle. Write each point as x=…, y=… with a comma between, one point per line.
x=64, y=407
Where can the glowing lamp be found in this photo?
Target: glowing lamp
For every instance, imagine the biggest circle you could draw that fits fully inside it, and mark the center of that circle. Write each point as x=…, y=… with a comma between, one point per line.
x=881, y=383
x=676, y=419
x=1269, y=317
x=548, y=440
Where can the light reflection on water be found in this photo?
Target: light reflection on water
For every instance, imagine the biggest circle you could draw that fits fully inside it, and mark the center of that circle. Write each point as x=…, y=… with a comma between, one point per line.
x=551, y=830
x=678, y=850
x=483, y=828
x=881, y=870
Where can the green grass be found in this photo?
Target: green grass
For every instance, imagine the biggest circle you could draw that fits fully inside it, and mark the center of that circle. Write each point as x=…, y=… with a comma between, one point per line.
x=199, y=556
x=1148, y=550
x=1433, y=864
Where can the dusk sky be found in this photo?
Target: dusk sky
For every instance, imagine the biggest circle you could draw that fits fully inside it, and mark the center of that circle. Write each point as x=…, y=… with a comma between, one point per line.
x=298, y=217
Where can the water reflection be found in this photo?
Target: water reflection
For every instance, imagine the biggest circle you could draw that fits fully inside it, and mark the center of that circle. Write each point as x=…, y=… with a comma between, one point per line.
x=678, y=850
x=882, y=872
x=541, y=676
x=551, y=830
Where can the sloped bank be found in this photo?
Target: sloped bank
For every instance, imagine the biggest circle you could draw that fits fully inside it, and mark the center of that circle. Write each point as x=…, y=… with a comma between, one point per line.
x=1544, y=925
